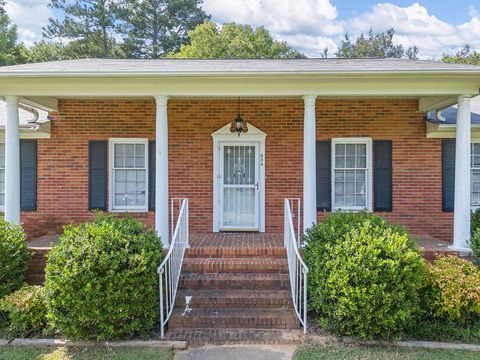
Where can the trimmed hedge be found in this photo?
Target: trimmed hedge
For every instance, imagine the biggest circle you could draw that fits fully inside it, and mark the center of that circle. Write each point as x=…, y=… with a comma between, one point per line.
x=101, y=279
x=364, y=275
x=14, y=257
x=24, y=312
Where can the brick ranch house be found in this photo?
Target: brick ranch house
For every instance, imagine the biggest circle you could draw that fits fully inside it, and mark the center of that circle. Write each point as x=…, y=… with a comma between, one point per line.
x=129, y=135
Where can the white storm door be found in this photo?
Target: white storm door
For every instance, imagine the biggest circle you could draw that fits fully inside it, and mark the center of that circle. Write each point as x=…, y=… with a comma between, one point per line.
x=239, y=163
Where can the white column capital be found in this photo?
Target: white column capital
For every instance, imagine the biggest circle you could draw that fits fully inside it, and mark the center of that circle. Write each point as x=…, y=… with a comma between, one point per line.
x=161, y=100
x=464, y=98
x=310, y=100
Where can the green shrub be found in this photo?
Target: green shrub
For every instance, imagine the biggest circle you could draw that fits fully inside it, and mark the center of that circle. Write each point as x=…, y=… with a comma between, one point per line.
x=364, y=275
x=452, y=290
x=475, y=221
x=24, y=312
x=14, y=257
x=101, y=279
x=475, y=246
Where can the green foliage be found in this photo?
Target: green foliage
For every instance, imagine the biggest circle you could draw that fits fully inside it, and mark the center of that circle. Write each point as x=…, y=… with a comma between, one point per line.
x=375, y=46
x=10, y=51
x=101, y=279
x=475, y=221
x=452, y=290
x=153, y=28
x=364, y=275
x=464, y=56
x=233, y=41
x=51, y=51
x=14, y=257
x=475, y=246
x=24, y=312
x=88, y=25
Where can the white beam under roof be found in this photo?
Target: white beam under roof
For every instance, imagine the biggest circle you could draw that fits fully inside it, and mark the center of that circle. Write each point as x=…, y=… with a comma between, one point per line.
x=431, y=103
x=46, y=103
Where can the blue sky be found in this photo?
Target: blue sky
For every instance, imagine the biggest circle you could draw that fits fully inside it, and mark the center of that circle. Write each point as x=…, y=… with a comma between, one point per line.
x=434, y=26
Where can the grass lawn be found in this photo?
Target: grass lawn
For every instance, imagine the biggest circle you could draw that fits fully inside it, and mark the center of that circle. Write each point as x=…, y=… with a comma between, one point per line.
x=379, y=353
x=24, y=353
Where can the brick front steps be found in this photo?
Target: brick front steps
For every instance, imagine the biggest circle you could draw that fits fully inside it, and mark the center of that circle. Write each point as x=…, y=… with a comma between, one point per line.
x=239, y=294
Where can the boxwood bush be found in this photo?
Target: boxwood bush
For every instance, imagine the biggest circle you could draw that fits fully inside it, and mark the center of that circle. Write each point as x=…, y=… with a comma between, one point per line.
x=364, y=275
x=452, y=290
x=14, y=257
x=101, y=279
x=24, y=312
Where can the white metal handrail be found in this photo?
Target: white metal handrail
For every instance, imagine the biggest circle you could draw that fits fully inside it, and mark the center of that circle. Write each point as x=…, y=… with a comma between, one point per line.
x=171, y=267
x=297, y=268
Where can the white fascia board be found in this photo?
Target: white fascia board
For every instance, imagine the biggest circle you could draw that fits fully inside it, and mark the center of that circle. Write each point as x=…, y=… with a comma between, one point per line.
x=325, y=86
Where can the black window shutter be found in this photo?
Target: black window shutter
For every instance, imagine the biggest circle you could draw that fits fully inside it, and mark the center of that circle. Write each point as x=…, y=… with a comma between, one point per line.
x=324, y=175
x=448, y=174
x=28, y=175
x=97, y=175
x=382, y=175
x=151, y=175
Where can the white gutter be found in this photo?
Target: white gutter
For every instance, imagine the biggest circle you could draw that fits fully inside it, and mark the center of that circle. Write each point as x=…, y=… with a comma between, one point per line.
x=136, y=73
x=31, y=110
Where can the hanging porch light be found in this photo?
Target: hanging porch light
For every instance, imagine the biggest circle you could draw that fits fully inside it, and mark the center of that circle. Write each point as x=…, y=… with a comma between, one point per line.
x=239, y=125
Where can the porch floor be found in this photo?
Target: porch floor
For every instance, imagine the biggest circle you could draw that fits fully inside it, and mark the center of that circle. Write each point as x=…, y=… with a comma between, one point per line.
x=430, y=247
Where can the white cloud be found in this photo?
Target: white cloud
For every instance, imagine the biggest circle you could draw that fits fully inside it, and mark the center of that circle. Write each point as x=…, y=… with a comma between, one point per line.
x=312, y=25
x=307, y=25
x=29, y=16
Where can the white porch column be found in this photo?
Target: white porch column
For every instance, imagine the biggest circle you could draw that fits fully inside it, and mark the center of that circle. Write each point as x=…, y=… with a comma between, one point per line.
x=309, y=163
x=12, y=162
x=161, y=170
x=461, y=216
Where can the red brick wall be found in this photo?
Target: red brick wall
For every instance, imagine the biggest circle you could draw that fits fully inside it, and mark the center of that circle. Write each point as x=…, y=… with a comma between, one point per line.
x=417, y=161
x=63, y=159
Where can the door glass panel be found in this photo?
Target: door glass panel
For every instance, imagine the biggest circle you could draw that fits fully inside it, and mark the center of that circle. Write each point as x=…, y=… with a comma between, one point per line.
x=239, y=190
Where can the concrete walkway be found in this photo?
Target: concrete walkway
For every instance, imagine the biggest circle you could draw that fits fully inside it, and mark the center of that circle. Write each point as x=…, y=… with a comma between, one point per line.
x=238, y=352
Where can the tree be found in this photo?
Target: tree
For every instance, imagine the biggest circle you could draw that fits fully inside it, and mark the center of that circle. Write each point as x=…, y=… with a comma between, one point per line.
x=233, y=41
x=50, y=51
x=10, y=52
x=464, y=56
x=375, y=46
x=88, y=26
x=152, y=28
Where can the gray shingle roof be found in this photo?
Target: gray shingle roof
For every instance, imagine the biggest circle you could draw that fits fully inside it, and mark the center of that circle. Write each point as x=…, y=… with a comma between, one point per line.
x=190, y=66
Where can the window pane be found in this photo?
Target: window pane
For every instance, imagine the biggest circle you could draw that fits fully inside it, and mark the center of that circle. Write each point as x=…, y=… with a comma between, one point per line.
x=475, y=187
x=339, y=161
x=129, y=161
x=140, y=149
x=119, y=161
x=340, y=149
x=129, y=149
x=350, y=149
x=361, y=149
x=350, y=162
x=119, y=149
x=361, y=162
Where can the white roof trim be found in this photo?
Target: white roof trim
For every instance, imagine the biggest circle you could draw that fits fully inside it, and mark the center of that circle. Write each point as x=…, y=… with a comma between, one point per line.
x=448, y=131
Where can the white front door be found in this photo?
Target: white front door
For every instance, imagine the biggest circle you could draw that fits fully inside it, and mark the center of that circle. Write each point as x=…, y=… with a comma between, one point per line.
x=239, y=191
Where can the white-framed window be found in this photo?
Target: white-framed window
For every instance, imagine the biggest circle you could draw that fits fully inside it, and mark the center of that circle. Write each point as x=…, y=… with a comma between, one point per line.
x=128, y=174
x=475, y=174
x=352, y=174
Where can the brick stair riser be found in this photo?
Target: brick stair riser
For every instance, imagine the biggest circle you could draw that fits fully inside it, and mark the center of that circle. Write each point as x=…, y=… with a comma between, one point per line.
x=203, y=322
x=247, y=282
x=264, y=266
x=237, y=284
x=221, y=302
x=236, y=253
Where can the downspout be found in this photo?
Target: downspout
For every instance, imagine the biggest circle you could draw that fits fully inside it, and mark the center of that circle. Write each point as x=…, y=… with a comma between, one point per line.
x=438, y=115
